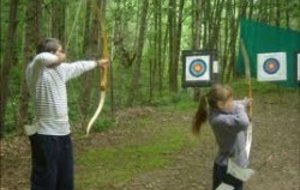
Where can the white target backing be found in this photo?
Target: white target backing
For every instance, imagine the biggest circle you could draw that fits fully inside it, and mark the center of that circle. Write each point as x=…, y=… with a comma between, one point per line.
x=197, y=68
x=271, y=66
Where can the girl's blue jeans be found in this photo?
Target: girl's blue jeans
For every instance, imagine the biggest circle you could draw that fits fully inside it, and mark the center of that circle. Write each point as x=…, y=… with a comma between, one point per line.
x=220, y=175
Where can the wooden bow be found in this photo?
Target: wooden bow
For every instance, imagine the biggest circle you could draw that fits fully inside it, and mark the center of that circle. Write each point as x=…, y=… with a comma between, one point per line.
x=250, y=110
x=103, y=79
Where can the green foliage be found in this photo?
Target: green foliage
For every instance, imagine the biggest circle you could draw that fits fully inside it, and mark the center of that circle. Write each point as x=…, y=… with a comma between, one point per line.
x=103, y=123
x=126, y=14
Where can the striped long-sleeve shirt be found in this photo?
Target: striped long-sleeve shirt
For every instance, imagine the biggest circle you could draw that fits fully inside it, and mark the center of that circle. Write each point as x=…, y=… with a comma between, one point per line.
x=47, y=87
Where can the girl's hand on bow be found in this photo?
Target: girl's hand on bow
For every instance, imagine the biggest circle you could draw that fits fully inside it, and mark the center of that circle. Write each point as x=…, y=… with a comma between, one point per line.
x=103, y=63
x=248, y=101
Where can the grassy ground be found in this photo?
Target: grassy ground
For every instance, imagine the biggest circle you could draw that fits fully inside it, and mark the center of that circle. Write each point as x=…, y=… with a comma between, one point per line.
x=153, y=148
x=146, y=148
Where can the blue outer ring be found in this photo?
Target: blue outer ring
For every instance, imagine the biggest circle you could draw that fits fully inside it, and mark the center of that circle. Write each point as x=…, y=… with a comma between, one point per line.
x=276, y=68
x=203, y=66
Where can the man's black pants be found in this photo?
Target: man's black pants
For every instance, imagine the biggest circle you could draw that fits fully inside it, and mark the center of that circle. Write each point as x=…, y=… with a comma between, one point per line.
x=52, y=162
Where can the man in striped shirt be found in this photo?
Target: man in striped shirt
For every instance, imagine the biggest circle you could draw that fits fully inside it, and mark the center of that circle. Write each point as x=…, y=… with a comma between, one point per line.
x=46, y=76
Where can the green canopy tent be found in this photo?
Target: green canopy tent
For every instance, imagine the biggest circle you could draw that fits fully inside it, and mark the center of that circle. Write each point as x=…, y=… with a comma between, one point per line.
x=263, y=38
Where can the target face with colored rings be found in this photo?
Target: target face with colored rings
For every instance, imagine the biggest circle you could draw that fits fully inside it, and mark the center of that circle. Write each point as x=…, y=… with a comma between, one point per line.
x=198, y=68
x=271, y=66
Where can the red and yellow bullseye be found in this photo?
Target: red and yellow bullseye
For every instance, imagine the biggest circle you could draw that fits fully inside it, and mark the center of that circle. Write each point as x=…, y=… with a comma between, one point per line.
x=197, y=68
x=271, y=66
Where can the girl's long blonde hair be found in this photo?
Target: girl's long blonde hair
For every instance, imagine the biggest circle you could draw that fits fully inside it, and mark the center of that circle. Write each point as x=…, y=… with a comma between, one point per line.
x=217, y=93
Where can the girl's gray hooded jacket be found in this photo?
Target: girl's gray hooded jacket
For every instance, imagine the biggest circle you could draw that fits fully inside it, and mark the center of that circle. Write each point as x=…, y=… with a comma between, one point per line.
x=230, y=132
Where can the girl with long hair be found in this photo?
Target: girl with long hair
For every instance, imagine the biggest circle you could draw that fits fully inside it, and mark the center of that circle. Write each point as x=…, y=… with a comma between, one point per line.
x=229, y=121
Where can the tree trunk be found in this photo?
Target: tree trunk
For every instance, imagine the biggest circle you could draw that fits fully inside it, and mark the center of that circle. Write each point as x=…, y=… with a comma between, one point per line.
x=93, y=52
x=206, y=22
x=251, y=5
x=153, y=60
x=243, y=8
x=216, y=26
x=1, y=32
x=196, y=24
x=8, y=61
x=32, y=38
x=178, y=38
x=165, y=50
x=196, y=35
x=58, y=19
x=111, y=78
x=264, y=11
x=287, y=17
x=137, y=63
x=122, y=51
x=208, y=19
x=157, y=67
x=117, y=39
x=278, y=7
x=226, y=42
x=232, y=44
x=233, y=41
x=87, y=25
x=172, y=36
x=159, y=46
x=175, y=27
x=152, y=65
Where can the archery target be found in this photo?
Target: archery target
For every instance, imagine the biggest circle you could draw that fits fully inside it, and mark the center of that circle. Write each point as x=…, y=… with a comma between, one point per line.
x=197, y=68
x=271, y=66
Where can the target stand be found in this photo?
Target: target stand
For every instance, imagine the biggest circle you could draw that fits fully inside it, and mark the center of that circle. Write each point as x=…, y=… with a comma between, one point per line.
x=198, y=68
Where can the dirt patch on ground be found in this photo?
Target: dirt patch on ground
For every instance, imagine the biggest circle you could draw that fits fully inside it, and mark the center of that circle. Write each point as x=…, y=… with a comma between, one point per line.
x=275, y=152
x=275, y=155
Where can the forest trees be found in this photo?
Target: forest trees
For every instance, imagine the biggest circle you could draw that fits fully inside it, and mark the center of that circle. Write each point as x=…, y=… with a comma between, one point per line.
x=174, y=27
x=139, y=51
x=146, y=37
x=32, y=26
x=9, y=58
